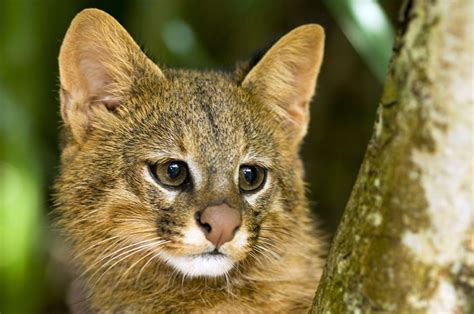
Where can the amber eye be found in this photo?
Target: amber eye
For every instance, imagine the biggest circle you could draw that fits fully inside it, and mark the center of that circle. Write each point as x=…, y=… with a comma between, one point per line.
x=251, y=177
x=172, y=173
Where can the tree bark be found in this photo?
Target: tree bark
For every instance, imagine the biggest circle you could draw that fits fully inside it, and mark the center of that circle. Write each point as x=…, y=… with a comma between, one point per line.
x=405, y=243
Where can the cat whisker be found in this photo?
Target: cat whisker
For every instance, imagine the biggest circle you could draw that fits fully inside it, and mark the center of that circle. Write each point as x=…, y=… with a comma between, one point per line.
x=120, y=220
x=266, y=253
x=270, y=245
x=183, y=277
x=144, y=266
x=114, y=253
x=277, y=230
x=93, y=246
x=256, y=259
x=85, y=217
x=271, y=252
x=172, y=279
x=228, y=281
x=153, y=246
x=106, y=240
x=112, y=249
x=127, y=255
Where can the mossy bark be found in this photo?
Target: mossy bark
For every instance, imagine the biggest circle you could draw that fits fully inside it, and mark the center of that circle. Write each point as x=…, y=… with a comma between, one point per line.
x=405, y=242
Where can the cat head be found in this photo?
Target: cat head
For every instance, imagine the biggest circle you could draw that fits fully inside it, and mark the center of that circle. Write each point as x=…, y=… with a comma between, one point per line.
x=198, y=171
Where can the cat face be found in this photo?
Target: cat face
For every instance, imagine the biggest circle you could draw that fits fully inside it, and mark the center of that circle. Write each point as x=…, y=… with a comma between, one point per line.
x=198, y=171
x=183, y=148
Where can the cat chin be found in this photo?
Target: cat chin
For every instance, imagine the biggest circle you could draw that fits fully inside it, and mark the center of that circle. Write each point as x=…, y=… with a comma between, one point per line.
x=205, y=265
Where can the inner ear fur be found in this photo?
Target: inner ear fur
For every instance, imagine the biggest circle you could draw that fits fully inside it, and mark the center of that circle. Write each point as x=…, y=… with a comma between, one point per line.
x=98, y=63
x=285, y=78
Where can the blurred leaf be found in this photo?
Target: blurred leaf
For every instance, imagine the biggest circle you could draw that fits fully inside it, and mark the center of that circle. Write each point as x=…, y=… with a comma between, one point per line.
x=368, y=29
x=20, y=171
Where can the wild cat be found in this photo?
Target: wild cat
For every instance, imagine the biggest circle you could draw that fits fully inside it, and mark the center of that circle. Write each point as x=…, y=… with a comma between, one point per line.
x=182, y=190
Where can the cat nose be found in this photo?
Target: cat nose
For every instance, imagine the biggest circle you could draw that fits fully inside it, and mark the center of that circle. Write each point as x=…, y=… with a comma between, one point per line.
x=219, y=223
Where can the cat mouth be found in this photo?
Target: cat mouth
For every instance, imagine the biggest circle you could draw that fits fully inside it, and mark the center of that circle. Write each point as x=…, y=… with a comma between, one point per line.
x=208, y=264
x=214, y=252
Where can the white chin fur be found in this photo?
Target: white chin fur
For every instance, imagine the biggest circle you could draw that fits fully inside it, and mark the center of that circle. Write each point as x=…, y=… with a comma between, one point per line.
x=200, y=265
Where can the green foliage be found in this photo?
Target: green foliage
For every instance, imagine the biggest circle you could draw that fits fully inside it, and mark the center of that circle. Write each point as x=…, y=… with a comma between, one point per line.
x=368, y=29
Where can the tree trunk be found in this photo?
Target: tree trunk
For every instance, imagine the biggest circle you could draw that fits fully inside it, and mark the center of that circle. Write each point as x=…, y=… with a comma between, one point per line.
x=405, y=243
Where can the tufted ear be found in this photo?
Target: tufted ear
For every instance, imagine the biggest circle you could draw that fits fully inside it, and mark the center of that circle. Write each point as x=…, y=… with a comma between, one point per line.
x=285, y=77
x=98, y=64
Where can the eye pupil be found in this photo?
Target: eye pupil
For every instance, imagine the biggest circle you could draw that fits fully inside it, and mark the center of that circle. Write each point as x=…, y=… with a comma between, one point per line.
x=251, y=178
x=250, y=174
x=174, y=170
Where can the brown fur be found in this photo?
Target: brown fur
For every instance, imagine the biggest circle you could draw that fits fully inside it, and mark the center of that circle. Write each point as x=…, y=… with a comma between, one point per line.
x=120, y=109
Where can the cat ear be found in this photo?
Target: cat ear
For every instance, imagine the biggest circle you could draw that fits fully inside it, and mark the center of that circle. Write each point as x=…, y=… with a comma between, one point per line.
x=285, y=77
x=98, y=64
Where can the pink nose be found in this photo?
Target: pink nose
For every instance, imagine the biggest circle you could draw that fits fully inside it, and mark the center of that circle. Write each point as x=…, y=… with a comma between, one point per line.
x=219, y=223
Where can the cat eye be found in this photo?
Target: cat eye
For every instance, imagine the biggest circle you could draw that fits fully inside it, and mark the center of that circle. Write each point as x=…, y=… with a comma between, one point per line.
x=251, y=177
x=173, y=173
